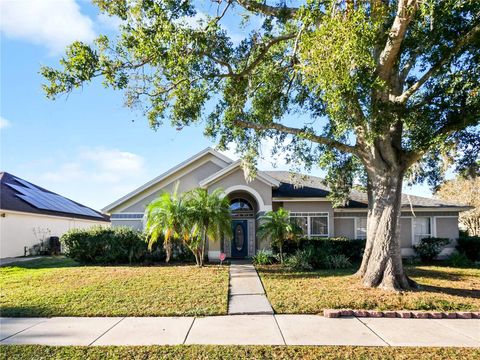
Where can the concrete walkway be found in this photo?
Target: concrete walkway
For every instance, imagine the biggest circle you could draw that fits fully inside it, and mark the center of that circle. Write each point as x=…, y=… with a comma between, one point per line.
x=241, y=330
x=246, y=293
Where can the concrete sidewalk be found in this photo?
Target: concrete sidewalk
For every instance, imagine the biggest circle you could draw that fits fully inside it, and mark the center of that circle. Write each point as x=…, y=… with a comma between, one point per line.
x=241, y=330
x=246, y=293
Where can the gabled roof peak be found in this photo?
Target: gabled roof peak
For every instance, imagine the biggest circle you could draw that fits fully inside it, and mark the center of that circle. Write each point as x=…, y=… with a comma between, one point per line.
x=169, y=172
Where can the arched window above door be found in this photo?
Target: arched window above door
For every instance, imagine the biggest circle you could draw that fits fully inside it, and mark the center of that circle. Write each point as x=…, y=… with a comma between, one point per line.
x=241, y=207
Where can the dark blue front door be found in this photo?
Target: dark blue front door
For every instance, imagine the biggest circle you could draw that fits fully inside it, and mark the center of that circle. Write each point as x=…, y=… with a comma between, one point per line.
x=240, y=238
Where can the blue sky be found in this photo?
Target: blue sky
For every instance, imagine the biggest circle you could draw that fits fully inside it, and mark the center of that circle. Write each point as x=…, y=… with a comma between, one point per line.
x=88, y=147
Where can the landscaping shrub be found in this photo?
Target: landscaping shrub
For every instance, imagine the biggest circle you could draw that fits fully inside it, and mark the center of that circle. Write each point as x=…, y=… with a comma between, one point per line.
x=429, y=248
x=299, y=261
x=320, y=248
x=181, y=253
x=338, y=261
x=107, y=245
x=470, y=247
x=459, y=260
x=262, y=257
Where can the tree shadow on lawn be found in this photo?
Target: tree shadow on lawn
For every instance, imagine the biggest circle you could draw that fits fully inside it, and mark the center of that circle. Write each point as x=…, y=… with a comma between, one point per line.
x=64, y=262
x=276, y=272
x=467, y=293
x=279, y=273
x=26, y=311
x=450, y=275
x=44, y=263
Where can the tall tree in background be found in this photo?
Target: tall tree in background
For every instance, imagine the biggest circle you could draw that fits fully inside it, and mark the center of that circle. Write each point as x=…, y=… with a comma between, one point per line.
x=386, y=90
x=464, y=191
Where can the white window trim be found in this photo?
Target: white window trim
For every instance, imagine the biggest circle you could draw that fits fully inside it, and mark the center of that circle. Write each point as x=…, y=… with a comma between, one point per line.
x=309, y=215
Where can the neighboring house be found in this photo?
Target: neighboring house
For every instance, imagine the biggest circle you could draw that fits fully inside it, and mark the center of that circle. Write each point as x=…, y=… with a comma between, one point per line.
x=270, y=190
x=29, y=214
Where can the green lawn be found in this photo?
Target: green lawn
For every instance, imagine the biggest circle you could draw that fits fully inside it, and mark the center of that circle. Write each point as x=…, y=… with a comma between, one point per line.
x=443, y=289
x=233, y=352
x=61, y=287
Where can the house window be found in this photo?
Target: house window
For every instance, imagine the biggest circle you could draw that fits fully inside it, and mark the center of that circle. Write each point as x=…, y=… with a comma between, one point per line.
x=319, y=226
x=240, y=205
x=302, y=222
x=422, y=228
x=312, y=224
x=361, y=228
x=241, y=208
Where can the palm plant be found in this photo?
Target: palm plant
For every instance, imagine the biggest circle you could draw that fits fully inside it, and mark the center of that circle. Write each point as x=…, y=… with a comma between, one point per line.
x=278, y=227
x=190, y=235
x=210, y=213
x=165, y=219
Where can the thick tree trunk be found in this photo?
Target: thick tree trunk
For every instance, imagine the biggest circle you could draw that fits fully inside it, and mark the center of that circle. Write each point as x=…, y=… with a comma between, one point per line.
x=382, y=261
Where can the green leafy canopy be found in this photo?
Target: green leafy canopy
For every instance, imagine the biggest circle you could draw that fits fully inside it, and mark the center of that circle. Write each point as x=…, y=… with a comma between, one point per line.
x=358, y=87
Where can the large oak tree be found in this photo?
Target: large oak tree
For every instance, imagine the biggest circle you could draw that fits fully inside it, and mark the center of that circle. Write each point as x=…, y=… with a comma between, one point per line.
x=387, y=90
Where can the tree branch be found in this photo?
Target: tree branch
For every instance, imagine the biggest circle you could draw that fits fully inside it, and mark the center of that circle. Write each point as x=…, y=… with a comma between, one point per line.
x=389, y=55
x=264, y=9
x=436, y=67
x=264, y=52
x=298, y=132
x=447, y=129
x=249, y=67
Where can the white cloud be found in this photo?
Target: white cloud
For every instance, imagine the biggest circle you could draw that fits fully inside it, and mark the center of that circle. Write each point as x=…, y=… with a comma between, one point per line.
x=114, y=161
x=109, y=22
x=50, y=23
x=93, y=176
x=4, y=123
x=99, y=165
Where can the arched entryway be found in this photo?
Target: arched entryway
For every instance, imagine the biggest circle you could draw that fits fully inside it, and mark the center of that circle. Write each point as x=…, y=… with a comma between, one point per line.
x=243, y=208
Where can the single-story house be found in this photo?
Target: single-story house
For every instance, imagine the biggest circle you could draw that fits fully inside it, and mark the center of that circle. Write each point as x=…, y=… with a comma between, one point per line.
x=30, y=214
x=306, y=199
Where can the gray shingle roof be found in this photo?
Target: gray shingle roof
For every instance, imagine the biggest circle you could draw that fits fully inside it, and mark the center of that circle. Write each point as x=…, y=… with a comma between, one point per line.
x=299, y=185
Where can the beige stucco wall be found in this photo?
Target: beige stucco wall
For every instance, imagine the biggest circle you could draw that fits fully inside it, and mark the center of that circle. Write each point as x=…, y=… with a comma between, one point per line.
x=133, y=223
x=312, y=206
x=16, y=230
x=214, y=245
x=186, y=182
x=237, y=178
x=344, y=227
x=277, y=205
x=447, y=228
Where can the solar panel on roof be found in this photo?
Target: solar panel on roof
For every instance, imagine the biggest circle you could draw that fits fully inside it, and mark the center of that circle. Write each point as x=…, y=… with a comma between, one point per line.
x=30, y=201
x=49, y=201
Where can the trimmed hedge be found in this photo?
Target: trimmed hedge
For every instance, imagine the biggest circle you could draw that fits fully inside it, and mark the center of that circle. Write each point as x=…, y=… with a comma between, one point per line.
x=470, y=247
x=323, y=248
x=107, y=245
